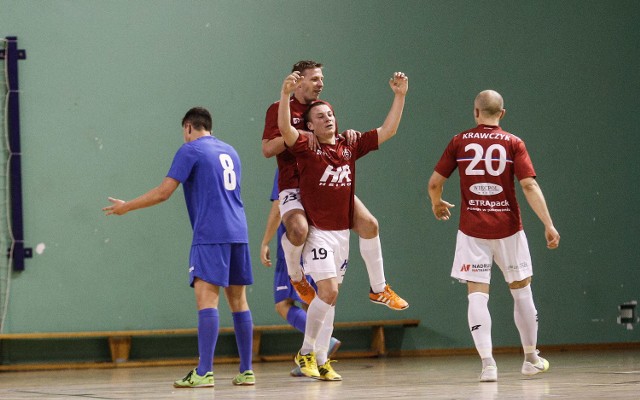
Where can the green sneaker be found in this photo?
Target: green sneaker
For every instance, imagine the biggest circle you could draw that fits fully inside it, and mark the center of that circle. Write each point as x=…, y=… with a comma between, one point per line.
x=193, y=380
x=308, y=365
x=327, y=373
x=245, y=378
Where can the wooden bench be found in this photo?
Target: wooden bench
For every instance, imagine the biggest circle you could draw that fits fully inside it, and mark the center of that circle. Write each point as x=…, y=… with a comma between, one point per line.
x=120, y=344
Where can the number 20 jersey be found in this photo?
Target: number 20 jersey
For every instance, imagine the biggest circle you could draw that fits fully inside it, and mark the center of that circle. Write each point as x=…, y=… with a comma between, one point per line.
x=487, y=159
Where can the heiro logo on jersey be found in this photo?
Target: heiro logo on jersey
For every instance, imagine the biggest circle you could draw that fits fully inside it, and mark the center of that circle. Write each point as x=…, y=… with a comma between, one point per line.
x=340, y=176
x=486, y=189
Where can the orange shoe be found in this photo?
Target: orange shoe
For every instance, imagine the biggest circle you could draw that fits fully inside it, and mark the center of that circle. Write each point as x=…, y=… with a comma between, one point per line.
x=304, y=290
x=389, y=298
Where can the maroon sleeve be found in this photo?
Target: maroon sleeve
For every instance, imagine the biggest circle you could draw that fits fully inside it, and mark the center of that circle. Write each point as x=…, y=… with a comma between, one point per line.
x=448, y=161
x=301, y=145
x=523, y=167
x=271, y=130
x=367, y=142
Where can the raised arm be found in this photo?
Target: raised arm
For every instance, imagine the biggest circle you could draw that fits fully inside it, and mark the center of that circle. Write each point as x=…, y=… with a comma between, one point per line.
x=289, y=133
x=535, y=198
x=399, y=84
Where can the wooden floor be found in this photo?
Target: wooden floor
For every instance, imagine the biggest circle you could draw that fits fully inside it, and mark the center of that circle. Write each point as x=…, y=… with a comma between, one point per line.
x=573, y=375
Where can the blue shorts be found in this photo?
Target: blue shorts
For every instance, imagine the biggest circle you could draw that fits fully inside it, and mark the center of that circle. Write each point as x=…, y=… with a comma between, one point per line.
x=282, y=289
x=221, y=264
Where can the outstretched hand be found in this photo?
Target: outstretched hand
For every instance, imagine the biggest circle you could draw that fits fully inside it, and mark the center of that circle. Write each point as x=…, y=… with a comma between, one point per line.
x=399, y=83
x=115, y=207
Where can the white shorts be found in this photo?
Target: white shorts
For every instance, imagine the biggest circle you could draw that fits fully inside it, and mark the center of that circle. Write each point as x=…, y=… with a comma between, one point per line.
x=290, y=200
x=326, y=254
x=474, y=258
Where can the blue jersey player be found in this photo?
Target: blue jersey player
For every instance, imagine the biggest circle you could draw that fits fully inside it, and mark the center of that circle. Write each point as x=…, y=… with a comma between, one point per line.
x=210, y=173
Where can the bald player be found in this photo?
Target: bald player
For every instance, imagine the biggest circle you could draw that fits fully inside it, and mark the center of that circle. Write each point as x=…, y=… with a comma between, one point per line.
x=490, y=228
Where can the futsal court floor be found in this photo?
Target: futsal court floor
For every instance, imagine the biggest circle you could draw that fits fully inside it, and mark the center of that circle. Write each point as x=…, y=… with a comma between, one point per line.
x=609, y=374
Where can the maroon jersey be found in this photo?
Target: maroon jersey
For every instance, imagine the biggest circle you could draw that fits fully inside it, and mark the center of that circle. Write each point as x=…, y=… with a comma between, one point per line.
x=487, y=159
x=327, y=179
x=288, y=172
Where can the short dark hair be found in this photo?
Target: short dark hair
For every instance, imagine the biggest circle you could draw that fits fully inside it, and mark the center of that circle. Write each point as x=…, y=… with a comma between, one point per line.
x=199, y=118
x=313, y=105
x=305, y=64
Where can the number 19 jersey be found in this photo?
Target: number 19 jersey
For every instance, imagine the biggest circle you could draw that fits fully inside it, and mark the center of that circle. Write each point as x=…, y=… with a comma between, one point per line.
x=487, y=159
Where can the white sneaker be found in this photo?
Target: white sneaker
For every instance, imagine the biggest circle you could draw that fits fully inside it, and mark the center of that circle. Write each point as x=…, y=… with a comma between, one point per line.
x=529, y=368
x=489, y=374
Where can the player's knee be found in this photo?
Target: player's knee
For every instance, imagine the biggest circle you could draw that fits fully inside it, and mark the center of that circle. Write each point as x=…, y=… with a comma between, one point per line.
x=520, y=284
x=366, y=226
x=298, y=234
x=297, y=229
x=328, y=295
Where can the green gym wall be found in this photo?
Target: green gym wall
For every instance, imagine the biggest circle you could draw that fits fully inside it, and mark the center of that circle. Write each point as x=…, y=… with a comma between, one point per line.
x=106, y=83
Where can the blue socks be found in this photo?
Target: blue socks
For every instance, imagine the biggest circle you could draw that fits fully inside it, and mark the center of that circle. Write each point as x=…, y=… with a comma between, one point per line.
x=243, y=326
x=208, y=326
x=297, y=318
x=208, y=323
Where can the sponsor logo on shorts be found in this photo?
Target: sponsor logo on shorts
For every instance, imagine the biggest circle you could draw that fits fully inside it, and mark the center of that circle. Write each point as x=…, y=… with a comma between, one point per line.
x=475, y=268
x=279, y=288
x=344, y=266
x=192, y=268
x=522, y=265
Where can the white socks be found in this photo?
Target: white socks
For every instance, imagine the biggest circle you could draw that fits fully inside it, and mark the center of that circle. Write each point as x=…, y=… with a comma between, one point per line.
x=292, y=257
x=324, y=337
x=526, y=317
x=316, y=315
x=480, y=324
x=371, y=252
